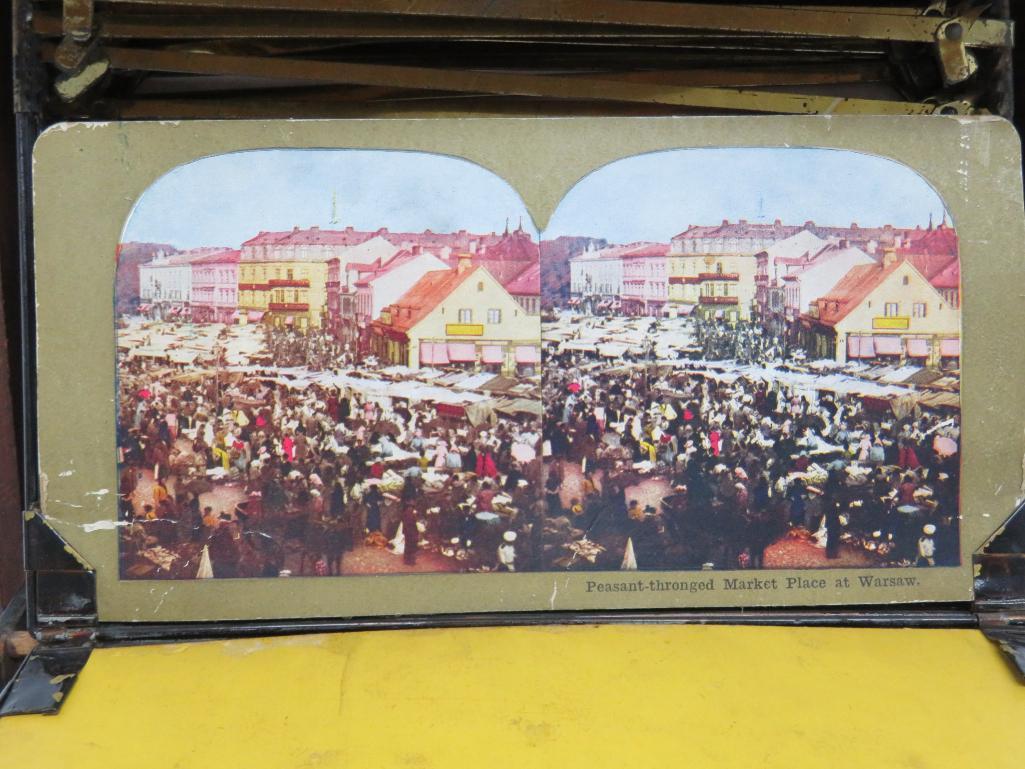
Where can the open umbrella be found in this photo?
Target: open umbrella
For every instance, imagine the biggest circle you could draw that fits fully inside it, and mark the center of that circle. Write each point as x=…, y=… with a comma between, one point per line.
x=944, y=446
x=573, y=387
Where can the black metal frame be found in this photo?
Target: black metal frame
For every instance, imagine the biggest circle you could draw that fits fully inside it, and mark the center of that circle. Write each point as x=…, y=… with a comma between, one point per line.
x=60, y=606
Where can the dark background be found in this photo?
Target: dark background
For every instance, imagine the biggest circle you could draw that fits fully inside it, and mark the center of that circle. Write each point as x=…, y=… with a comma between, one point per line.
x=11, y=352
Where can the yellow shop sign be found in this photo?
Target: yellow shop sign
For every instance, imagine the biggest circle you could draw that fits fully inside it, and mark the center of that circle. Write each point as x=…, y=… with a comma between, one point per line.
x=464, y=329
x=891, y=323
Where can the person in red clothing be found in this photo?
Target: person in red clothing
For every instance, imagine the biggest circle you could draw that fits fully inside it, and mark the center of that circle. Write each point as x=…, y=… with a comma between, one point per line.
x=907, y=459
x=907, y=490
x=484, y=497
x=714, y=438
x=486, y=467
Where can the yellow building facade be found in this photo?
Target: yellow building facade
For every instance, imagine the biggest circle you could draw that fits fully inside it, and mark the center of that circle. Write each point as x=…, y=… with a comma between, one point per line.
x=886, y=312
x=283, y=293
x=459, y=317
x=713, y=284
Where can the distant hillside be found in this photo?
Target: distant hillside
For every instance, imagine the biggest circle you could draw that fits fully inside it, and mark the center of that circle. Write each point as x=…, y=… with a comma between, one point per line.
x=555, y=256
x=129, y=257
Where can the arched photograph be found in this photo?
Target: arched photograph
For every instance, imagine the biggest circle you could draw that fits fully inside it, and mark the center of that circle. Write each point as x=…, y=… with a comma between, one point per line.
x=328, y=364
x=751, y=360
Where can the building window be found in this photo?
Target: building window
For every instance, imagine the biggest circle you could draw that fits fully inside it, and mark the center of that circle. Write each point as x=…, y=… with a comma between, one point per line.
x=906, y=280
x=891, y=309
x=466, y=316
x=494, y=316
x=480, y=286
x=918, y=310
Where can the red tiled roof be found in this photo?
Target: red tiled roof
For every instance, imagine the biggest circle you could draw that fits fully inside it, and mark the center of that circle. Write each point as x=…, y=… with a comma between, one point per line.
x=852, y=289
x=263, y=238
x=941, y=241
x=527, y=283
x=517, y=246
x=426, y=294
x=949, y=276
x=227, y=256
x=314, y=236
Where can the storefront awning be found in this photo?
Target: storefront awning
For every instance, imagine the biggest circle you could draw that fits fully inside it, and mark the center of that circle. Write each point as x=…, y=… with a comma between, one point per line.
x=462, y=352
x=255, y=316
x=887, y=345
x=528, y=354
x=492, y=353
x=950, y=348
x=433, y=353
x=918, y=348
x=861, y=347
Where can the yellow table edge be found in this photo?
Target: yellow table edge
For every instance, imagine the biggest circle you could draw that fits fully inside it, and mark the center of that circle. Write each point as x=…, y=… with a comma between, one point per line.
x=594, y=696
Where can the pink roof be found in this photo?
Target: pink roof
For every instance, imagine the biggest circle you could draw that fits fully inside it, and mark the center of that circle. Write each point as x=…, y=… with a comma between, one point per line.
x=949, y=276
x=527, y=283
x=263, y=238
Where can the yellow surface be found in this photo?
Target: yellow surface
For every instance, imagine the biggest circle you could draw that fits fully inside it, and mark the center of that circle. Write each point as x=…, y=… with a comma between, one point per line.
x=658, y=696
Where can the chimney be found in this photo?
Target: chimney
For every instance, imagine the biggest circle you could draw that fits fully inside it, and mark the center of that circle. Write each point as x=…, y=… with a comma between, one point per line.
x=809, y=224
x=889, y=256
x=417, y=250
x=844, y=243
x=854, y=225
x=725, y=222
x=465, y=263
x=295, y=228
x=777, y=223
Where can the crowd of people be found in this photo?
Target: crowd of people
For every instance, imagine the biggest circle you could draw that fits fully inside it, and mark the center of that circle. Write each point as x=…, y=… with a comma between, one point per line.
x=745, y=464
x=744, y=342
x=246, y=475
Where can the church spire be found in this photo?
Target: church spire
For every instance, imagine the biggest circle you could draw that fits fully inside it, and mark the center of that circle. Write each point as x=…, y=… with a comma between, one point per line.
x=930, y=220
x=506, y=226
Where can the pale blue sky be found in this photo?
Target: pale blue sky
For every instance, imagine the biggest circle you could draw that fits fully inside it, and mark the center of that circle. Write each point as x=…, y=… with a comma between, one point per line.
x=657, y=195
x=226, y=199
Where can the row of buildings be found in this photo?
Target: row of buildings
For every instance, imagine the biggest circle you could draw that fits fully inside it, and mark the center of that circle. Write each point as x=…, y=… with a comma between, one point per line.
x=840, y=292
x=411, y=298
